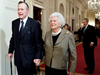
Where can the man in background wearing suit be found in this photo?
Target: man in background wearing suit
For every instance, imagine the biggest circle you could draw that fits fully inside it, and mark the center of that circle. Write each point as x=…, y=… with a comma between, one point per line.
x=26, y=41
x=88, y=33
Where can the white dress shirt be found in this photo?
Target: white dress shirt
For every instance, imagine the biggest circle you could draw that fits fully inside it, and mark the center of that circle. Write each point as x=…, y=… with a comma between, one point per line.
x=23, y=21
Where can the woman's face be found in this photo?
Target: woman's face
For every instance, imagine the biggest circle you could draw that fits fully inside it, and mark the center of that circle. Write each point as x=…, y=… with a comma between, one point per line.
x=54, y=23
x=66, y=27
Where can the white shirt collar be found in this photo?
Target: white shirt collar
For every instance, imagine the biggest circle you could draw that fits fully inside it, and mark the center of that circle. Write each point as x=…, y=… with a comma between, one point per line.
x=54, y=34
x=86, y=26
x=24, y=20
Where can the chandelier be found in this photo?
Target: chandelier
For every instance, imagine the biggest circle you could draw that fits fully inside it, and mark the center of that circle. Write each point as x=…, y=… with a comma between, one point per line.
x=98, y=17
x=94, y=5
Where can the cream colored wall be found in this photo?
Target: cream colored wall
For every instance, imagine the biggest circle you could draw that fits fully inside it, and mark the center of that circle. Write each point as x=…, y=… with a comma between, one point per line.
x=50, y=6
x=79, y=9
x=0, y=39
x=63, y=2
x=91, y=17
x=7, y=14
x=47, y=6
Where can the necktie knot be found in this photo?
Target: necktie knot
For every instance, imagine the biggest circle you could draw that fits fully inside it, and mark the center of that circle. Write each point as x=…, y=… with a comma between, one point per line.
x=22, y=22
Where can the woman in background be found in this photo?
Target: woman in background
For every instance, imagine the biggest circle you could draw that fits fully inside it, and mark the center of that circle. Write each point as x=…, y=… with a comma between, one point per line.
x=66, y=26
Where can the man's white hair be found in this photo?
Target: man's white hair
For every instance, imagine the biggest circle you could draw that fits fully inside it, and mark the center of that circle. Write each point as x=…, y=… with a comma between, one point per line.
x=60, y=18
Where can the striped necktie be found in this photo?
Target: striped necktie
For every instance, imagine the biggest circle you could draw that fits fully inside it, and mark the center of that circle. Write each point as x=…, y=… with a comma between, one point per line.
x=84, y=29
x=22, y=26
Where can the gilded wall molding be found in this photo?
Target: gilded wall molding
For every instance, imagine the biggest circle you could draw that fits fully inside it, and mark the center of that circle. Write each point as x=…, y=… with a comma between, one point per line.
x=38, y=3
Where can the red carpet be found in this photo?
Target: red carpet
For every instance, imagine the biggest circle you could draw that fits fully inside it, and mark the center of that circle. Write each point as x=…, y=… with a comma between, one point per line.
x=81, y=62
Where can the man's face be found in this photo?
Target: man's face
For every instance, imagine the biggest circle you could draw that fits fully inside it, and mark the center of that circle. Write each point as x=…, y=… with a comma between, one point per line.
x=85, y=23
x=22, y=11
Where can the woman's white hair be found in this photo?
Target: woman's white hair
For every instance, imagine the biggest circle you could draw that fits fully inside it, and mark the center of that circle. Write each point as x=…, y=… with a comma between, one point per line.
x=60, y=18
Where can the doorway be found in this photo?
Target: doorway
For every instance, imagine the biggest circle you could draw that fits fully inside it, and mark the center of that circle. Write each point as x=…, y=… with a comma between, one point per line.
x=72, y=24
x=97, y=25
x=37, y=13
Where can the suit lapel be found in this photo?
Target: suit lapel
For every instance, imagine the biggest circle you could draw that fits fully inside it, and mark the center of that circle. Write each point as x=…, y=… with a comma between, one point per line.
x=87, y=28
x=27, y=26
x=17, y=27
x=61, y=37
x=50, y=38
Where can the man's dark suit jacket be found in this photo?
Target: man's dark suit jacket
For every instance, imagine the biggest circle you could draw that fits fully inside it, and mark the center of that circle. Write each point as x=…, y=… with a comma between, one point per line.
x=89, y=36
x=28, y=46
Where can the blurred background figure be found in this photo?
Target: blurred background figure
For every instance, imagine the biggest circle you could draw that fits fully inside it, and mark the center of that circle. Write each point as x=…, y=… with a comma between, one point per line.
x=79, y=34
x=89, y=36
x=66, y=26
x=97, y=31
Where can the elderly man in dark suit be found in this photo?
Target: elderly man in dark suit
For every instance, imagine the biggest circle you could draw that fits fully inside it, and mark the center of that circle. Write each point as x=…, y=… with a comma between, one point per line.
x=89, y=37
x=26, y=41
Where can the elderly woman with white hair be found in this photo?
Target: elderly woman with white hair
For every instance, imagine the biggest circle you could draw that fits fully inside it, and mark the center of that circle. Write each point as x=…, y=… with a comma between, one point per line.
x=59, y=45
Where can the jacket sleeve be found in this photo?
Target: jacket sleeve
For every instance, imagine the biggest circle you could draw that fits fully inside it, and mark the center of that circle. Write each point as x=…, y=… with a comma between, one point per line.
x=11, y=45
x=73, y=55
x=93, y=34
x=38, y=41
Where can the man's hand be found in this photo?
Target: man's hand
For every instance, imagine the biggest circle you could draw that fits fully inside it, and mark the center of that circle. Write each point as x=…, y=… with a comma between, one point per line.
x=10, y=55
x=70, y=73
x=37, y=62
